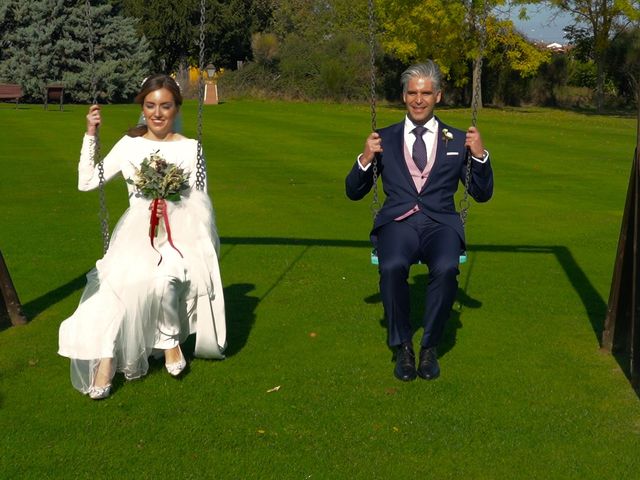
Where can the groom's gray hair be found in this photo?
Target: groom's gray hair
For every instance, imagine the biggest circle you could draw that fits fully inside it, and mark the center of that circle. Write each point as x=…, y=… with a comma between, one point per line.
x=428, y=69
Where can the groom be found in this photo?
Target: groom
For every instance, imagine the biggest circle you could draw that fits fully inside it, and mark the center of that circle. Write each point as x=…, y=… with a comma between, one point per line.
x=421, y=161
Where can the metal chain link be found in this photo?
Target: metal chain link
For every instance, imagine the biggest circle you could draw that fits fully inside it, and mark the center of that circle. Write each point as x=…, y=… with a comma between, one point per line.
x=375, y=202
x=475, y=102
x=200, y=164
x=95, y=143
x=372, y=62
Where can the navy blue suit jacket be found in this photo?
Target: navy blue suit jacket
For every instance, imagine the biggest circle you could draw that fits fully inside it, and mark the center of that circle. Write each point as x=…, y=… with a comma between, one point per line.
x=436, y=199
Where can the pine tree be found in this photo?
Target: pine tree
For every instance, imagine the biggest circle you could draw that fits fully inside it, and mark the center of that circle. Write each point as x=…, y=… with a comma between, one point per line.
x=7, y=24
x=48, y=41
x=29, y=58
x=121, y=58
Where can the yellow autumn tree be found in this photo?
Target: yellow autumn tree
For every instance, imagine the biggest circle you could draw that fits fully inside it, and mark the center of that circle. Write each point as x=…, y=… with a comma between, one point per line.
x=451, y=32
x=415, y=30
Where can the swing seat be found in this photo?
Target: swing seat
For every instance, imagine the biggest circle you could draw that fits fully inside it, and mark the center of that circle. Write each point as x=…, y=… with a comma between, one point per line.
x=374, y=257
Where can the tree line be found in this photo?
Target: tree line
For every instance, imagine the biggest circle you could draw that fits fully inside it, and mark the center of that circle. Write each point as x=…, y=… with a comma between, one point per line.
x=319, y=49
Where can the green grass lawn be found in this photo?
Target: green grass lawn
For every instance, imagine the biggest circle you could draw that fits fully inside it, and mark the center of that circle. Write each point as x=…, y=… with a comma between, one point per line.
x=525, y=392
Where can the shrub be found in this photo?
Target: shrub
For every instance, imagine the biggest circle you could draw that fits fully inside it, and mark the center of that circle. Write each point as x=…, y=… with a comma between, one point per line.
x=574, y=97
x=264, y=47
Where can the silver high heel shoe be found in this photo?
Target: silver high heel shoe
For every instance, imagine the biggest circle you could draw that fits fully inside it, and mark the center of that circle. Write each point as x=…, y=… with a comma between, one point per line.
x=98, y=393
x=176, y=368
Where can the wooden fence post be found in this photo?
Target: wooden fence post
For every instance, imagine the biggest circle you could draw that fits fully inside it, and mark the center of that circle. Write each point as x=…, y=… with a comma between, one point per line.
x=9, y=300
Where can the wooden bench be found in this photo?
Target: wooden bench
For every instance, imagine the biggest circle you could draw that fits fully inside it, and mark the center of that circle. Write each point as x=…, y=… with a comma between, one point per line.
x=11, y=91
x=54, y=92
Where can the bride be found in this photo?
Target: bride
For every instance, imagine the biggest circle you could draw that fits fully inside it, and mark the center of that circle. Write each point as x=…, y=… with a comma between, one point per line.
x=147, y=294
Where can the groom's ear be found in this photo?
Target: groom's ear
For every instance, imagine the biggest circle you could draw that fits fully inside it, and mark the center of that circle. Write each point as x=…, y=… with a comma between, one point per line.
x=438, y=96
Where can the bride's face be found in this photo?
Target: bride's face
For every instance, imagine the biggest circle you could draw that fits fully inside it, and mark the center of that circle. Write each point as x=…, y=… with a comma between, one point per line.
x=160, y=110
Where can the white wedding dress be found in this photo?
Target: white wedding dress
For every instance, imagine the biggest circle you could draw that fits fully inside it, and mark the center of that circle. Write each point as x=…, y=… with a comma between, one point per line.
x=131, y=305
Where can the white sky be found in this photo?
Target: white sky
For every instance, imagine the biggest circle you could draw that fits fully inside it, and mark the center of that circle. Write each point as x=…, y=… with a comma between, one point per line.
x=541, y=26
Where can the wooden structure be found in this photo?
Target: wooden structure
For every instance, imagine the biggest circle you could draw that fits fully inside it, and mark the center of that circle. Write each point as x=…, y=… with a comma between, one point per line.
x=9, y=302
x=621, y=334
x=11, y=91
x=54, y=92
x=211, y=93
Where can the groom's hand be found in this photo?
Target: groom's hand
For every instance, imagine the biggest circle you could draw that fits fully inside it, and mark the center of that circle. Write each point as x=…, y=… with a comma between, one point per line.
x=372, y=145
x=473, y=141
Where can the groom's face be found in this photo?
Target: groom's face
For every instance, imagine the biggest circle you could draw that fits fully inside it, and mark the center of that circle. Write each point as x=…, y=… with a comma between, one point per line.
x=420, y=99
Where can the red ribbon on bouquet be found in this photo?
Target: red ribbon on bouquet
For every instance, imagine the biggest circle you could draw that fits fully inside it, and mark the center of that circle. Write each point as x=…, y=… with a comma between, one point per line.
x=155, y=221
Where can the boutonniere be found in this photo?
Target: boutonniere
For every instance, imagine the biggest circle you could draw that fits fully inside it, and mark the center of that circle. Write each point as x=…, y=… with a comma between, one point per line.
x=446, y=135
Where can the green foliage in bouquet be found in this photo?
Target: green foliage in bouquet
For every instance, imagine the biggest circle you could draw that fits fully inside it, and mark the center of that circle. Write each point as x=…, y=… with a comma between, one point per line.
x=156, y=178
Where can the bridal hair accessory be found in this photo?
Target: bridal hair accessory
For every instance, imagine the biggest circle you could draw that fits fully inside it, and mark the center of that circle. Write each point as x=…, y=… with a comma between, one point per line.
x=158, y=180
x=147, y=78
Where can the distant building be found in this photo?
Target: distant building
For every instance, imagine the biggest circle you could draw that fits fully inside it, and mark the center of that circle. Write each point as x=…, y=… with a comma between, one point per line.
x=553, y=47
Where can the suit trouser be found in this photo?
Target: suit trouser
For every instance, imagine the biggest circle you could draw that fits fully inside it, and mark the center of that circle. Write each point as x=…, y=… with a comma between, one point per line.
x=402, y=243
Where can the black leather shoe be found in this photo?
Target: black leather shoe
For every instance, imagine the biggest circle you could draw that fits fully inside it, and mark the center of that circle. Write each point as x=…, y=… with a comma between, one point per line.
x=428, y=367
x=405, y=363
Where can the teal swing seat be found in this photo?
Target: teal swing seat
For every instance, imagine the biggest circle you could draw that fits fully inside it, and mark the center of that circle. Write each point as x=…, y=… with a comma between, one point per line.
x=374, y=257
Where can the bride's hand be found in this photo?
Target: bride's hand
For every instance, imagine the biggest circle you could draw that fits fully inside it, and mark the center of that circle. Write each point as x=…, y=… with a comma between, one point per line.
x=162, y=205
x=93, y=119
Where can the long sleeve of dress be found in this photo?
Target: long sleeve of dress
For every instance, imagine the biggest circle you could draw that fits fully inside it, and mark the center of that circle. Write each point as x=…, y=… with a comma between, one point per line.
x=88, y=178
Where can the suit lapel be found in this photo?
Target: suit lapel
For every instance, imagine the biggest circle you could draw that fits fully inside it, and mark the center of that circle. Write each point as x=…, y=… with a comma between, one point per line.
x=398, y=152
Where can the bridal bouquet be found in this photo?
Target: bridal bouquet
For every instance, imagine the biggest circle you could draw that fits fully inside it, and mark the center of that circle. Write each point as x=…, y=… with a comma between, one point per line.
x=158, y=180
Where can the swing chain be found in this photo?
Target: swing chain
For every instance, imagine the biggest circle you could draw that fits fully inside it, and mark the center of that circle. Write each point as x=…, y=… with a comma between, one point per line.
x=375, y=203
x=475, y=102
x=92, y=59
x=200, y=164
x=372, y=62
x=95, y=142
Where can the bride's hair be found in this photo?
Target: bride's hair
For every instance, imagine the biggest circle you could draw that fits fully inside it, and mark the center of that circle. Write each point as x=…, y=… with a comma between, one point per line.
x=151, y=84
